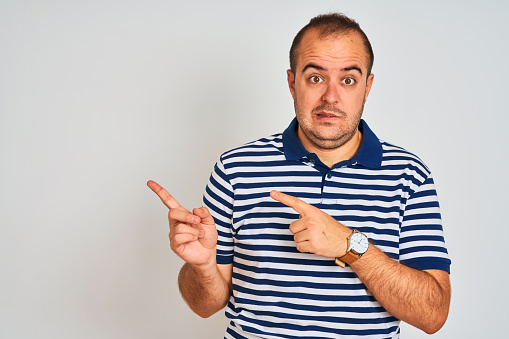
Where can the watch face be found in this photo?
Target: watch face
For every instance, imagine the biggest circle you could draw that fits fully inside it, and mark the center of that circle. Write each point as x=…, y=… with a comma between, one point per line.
x=359, y=242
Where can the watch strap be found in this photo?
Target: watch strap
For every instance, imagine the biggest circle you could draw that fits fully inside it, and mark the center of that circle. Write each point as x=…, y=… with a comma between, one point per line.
x=348, y=258
x=340, y=263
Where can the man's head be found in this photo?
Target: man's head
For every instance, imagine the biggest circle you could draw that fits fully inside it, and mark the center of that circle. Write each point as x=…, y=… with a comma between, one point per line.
x=329, y=81
x=329, y=25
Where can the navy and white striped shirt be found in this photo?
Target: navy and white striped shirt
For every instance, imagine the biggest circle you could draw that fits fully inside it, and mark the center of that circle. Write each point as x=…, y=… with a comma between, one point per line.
x=383, y=191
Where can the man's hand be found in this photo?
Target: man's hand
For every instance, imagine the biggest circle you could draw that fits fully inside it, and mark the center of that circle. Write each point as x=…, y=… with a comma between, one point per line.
x=204, y=285
x=315, y=231
x=193, y=236
x=420, y=298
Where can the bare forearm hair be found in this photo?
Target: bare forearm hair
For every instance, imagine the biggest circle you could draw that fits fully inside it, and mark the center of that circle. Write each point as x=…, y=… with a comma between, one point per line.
x=420, y=298
x=205, y=291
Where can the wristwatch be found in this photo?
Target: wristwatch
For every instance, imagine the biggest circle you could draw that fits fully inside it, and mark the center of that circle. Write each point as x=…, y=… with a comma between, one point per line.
x=358, y=244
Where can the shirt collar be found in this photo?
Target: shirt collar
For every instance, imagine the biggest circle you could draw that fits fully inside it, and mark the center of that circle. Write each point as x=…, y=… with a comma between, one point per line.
x=369, y=154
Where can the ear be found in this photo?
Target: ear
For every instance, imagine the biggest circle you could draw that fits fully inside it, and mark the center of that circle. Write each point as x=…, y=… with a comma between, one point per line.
x=369, y=83
x=291, y=82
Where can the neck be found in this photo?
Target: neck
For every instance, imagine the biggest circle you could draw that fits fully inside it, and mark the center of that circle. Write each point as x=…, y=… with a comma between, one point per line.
x=330, y=157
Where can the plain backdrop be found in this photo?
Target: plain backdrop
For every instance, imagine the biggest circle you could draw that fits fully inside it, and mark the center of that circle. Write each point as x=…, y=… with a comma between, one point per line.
x=97, y=97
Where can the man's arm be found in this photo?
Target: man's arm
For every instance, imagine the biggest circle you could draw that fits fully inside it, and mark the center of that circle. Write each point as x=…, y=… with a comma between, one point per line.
x=204, y=285
x=205, y=289
x=420, y=298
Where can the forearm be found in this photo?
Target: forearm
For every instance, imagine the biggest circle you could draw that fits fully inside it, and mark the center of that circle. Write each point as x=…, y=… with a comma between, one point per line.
x=419, y=298
x=203, y=288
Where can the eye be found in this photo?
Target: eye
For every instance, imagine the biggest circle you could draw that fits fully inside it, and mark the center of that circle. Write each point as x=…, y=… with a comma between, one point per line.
x=348, y=81
x=315, y=79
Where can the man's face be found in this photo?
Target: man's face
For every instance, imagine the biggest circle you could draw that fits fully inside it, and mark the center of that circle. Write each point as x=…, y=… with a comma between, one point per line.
x=329, y=88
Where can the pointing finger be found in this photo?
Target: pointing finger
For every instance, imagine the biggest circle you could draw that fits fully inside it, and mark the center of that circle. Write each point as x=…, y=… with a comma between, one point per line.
x=298, y=205
x=163, y=194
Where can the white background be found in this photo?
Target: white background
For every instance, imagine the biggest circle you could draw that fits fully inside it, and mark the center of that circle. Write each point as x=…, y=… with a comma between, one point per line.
x=97, y=97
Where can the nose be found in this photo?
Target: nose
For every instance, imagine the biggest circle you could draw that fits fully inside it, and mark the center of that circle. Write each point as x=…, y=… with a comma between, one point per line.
x=331, y=94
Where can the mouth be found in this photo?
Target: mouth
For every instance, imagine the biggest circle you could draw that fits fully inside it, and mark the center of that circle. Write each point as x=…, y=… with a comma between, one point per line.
x=325, y=115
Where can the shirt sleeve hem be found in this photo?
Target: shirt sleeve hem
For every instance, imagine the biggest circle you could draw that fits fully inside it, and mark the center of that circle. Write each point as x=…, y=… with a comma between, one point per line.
x=224, y=260
x=431, y=264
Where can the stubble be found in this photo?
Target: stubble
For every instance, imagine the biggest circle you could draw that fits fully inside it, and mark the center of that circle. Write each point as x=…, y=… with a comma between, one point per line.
x=339, y=137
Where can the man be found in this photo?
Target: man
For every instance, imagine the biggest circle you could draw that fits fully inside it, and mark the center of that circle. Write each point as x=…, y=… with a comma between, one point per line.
x=352, y=246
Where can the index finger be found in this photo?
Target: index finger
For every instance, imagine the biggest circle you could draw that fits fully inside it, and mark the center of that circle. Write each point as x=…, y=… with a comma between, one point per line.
x=163, y=194
x=298, y=205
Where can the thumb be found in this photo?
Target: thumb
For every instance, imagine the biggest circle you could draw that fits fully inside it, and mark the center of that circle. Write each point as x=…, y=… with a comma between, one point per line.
x=204, y=214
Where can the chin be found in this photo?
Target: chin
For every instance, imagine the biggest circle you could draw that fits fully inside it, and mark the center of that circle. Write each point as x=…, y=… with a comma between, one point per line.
x=328, y=144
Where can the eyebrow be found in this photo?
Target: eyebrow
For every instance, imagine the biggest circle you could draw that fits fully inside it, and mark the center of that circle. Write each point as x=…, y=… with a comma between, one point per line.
x=352, y=68
x=320, y=68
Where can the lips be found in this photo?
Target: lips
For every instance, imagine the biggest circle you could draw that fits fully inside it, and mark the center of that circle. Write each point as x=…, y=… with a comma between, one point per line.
x=326, y=115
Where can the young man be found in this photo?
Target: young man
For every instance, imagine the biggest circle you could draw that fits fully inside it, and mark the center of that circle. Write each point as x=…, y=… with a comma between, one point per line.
x=322, y=231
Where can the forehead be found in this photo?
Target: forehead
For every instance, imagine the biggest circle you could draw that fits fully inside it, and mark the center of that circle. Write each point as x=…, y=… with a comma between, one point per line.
x=336, y=50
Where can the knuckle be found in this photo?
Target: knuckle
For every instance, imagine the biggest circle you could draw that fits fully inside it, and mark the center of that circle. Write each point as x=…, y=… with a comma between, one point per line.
x=176, y=229
x=175, y=243
x=171, y=214
x=292, y=228
x=314, y=226
x=304, y=247
x=172, y=241
x=315, y=244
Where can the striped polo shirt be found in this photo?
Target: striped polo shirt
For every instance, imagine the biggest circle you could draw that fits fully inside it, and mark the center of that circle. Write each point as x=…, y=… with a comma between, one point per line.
x=384, y=191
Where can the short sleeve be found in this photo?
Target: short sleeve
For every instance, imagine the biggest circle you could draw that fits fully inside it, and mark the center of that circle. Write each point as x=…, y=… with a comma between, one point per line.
x=422, y=244
x=218, y=198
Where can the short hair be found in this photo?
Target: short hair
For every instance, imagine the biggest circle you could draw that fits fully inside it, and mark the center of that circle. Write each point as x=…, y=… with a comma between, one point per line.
x=330, y=24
